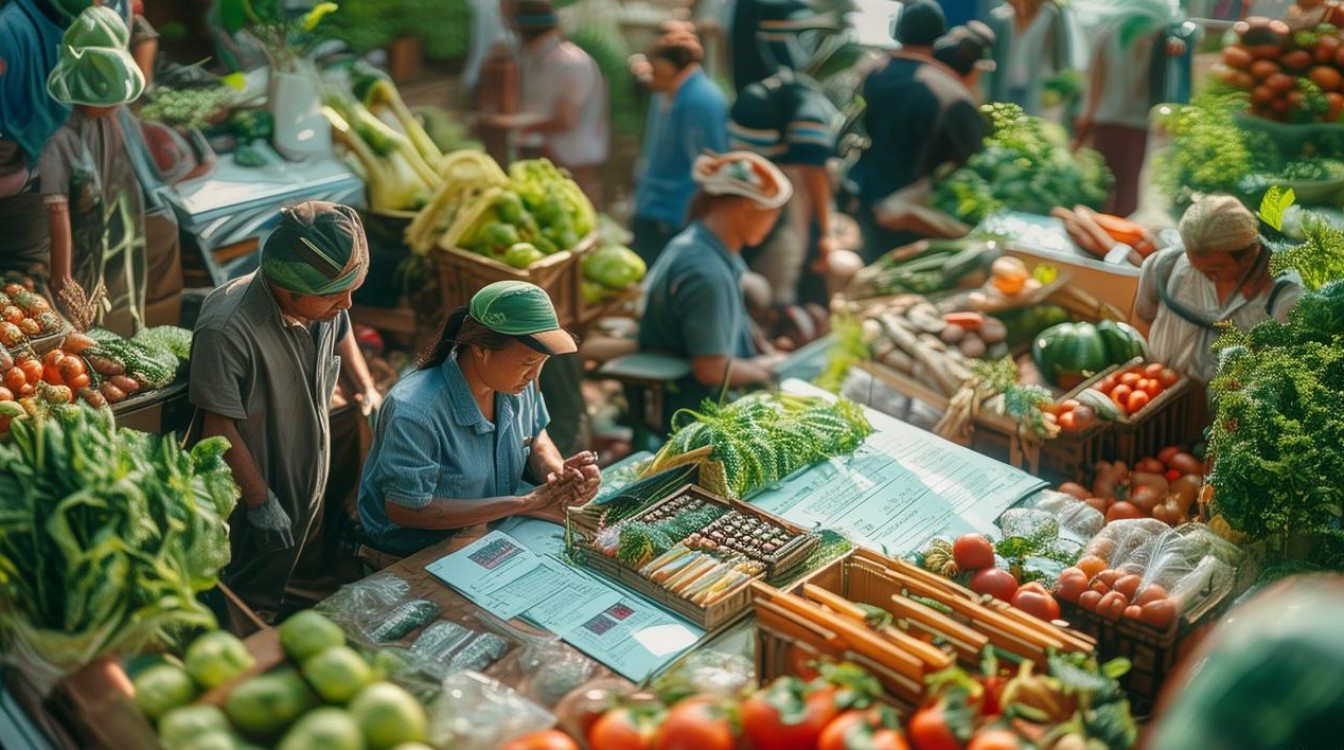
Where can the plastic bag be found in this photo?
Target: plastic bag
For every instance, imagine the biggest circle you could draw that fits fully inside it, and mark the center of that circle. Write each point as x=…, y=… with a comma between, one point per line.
x=362, y=608
x=552, y=669
x=1077, y=520
x=1127, y=545
x=474, y=712
x=1194, y=565
x=710, y=672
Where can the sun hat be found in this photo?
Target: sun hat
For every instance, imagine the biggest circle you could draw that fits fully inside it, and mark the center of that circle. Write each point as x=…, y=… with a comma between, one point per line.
x=98, y=26
x=745, y=174
x=523, y=310
x=95, y=69
x=318, y=248
x=1218, y=224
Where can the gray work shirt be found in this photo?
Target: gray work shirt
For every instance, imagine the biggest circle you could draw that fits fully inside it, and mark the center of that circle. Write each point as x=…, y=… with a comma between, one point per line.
x=275, y=379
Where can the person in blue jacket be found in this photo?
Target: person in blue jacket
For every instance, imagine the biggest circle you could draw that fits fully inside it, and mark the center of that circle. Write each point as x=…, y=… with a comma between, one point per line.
x=687, y=116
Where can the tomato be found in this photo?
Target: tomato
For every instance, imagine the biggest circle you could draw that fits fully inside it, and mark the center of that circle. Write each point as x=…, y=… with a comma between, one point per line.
x=788, y=715
x=551, y=739
x=929, y=730
x=1089, y=600
x=15, y=379
x=870, y=729
x=32, y=370
x=1152, y=593
x=1072, y=584
x=1128, y=586
x=1152, y=388
x=1038, y=604
x=71, y=367
x=1150, y=466
x=52, y=376
x=1091, y=565
x=6, y=394
x=994, y=739
x=1130, y=379
x=1120, y=395
x=695, y=724
x=1186, y=464
x=1068, y=421
x=1124, y=510
x=973, y=552
x=53, y=358
x=623, y=728
x=1172, y=475
x=1077, y=490
x=999, y=584
x=1152, y=369
x=802, y=662
x=1166, y=453
x=1168, y=377
x=1136, y=401
x=1112, y=606
x=1106, y=384
x=1159, y=614
x=1101, y=504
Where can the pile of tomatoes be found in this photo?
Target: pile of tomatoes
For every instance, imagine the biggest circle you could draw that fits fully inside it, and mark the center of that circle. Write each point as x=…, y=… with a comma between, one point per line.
x=1135, y=387
x=1165, y=487
x=1113, y=594
x=837, y=710
x=974, y=554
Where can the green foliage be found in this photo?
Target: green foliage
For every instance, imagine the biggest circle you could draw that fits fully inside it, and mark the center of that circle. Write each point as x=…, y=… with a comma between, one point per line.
x=106, y=535
x=762, y=438
x=1278, y=434
x=1209, y=151
x=189, y=108
x=1319, y=259
x=1026, y=166
x=849, y=349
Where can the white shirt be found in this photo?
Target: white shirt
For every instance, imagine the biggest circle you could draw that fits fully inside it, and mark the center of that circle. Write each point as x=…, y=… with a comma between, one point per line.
x=556, y=71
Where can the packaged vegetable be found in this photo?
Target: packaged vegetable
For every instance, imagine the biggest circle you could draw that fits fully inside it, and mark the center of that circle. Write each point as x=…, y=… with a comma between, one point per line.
x=475, y=712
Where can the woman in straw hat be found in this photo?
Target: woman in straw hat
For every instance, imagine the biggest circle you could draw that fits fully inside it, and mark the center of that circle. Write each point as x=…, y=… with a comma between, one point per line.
x=693, y=305
x=1221, y=275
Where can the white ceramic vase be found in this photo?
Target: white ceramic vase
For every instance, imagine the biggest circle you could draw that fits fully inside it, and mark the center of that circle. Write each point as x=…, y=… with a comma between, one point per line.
x=301, y=132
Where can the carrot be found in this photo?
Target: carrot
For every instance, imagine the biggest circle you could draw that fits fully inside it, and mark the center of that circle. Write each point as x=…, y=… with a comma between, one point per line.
x=1063, y=214
x=1082, y=239
x=970, y=321
x=1088, y=223
x=1120, y=229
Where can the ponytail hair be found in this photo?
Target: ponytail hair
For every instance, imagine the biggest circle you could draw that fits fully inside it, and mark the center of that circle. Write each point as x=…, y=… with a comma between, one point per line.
x=462, y=330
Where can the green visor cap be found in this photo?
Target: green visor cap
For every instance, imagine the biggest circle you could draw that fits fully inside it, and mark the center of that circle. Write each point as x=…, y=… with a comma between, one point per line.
x=517, y=308
x=96, y=77
x=98, y=26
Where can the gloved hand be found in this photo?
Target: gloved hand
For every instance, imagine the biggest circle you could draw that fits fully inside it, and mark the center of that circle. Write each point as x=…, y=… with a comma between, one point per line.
x=272, y=525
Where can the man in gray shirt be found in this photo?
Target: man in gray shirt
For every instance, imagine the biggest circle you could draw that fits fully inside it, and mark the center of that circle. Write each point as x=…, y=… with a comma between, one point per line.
x=266, y=356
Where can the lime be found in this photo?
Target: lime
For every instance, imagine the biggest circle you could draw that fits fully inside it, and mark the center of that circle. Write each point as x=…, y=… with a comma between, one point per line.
x=522, y=255
x=337, y=674
x=213, y=741
x=388, y=716
x=267, y=704
x=308, y=633
x=161, y=688
x=325, y=728
x=217, y=658
x=179, y=727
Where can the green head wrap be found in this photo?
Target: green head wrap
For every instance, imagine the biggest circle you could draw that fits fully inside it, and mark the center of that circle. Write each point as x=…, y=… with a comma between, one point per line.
x=96, y=77
x=318, y=248
x=98, y=26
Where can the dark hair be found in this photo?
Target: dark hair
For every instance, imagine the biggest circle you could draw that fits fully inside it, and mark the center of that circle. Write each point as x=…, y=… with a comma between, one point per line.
x=703, y=202
x=681, y=48
x=463, y=330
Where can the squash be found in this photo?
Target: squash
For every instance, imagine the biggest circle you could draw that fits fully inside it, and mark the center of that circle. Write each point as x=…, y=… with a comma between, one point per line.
x=1069, y=353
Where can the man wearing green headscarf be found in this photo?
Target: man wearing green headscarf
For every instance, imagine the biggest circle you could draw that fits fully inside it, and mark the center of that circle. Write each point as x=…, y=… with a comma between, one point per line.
x=265, y=359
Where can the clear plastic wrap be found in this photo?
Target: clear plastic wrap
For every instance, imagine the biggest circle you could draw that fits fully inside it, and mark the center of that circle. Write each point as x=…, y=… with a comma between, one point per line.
x=707, y=672
x=552, y=669
x=361, y=608
x=1127, y=545
x=1077, y=520
x=1191, y=564
x=475, y=712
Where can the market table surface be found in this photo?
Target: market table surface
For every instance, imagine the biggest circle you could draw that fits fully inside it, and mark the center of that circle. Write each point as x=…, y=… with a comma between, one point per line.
x=229, y=210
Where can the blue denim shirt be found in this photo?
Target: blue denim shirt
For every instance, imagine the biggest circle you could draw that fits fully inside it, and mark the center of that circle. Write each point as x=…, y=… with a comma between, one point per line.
x=678, y=131
x=433, y=442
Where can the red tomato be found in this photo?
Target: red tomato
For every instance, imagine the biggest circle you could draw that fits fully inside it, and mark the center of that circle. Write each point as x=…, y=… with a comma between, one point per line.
x=1112, y=606
x=1166, y=453
x=1136, y=401
x=871, y=728
x=929, y=730
x=1038, y=604
x=1128, y=586
x=1120, y=394
x=1152, y=370
x=1152, y=388
x=695, y=724
x=802, y=662
x=999, y=584
x=53, y=358
x=1150, y=466
x=1172, y=475
x=1160, y=613
x=551, y=739
x=52, y=376
x=1186, y=464
x=1068, y=421
x=1123, y=510
x=973, y=552
x=1089, y=600
x=32, y=370
x=1072, y=584
x=6, y=394
x=1076, y=490
x=788, y=715
x=1106, y=384
x=1150, y=594
x=622, y=729
x=15, y=379
x=994, y=739
x=1168, y=377
x=1100, y=503
x=1130, y=379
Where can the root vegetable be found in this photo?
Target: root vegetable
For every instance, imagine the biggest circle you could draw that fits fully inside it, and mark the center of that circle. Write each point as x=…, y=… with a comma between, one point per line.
x=973, y=346
x=952, y=334
x=993, y=331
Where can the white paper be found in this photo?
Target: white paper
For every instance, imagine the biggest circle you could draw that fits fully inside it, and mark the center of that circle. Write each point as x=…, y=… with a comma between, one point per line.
x=900, y=489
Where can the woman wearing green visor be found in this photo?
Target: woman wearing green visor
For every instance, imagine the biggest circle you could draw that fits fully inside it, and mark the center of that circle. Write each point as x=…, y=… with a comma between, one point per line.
x=94, y=202
x=459, y=439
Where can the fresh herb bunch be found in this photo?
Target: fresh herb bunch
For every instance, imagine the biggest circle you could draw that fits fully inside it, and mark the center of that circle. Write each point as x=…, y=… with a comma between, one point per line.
x=1209, y=151
x=762, y=438
x=1026, y=166
x=1318, y=259
x=189, y=108
x=1277, y=441
x=106, y=536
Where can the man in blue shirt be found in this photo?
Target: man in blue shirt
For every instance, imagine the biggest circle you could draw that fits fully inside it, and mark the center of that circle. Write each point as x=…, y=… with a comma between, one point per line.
x=688, y=116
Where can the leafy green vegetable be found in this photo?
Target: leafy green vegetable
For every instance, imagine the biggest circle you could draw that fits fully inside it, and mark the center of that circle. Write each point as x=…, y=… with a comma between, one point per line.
x=1319, y=258
x=1278, y=437
x=849, y=349
x=106, y=535
x=171, y=339
x=1027, y=166
x=189, y=108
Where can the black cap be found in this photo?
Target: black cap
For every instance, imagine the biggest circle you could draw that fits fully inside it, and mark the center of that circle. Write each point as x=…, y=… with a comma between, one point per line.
x=965, y=48
x=920, y=23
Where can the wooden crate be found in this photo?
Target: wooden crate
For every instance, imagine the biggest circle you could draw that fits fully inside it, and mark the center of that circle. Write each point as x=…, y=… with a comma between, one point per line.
x=1177, y=416
x=722, y=612
x=462, y=274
